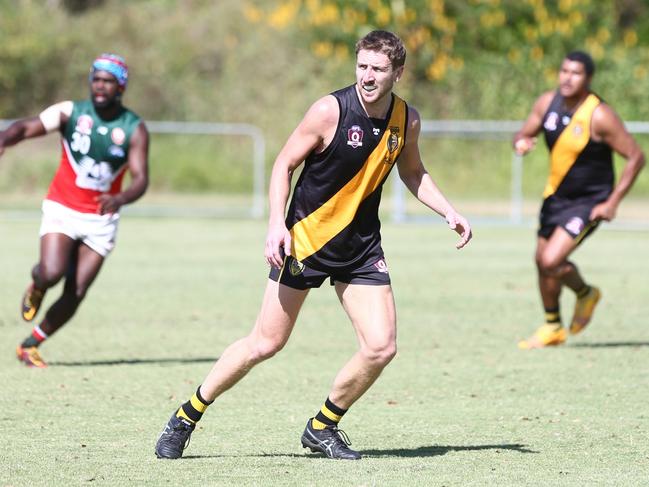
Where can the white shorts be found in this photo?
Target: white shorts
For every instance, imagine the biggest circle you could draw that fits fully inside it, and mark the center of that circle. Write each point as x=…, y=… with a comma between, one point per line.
x=96, y=231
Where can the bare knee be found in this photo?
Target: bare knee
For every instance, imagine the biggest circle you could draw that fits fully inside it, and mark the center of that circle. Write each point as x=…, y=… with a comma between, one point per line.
x=47, y=274
x=548, y=265
x=380, y=353
x=264, y=348
x=74, y=291
x=77, y=294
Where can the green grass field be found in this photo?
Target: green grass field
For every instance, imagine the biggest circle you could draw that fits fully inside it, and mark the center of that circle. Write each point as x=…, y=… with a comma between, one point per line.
x=460, y=405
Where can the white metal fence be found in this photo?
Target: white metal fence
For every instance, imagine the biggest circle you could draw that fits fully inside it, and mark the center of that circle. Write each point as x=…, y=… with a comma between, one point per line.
x=462, y=129
x=257, y=204
x=259, y=148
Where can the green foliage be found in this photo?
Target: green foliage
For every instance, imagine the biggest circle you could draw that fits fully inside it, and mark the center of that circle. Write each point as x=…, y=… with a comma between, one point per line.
x=201, y=163
x=458, y=52
x=230, y=61
x=264, y=63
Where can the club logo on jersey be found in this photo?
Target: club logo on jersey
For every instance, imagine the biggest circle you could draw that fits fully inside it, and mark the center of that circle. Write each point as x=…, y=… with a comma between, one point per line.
x=578, y=130
x=102, y=130
x=376, y=131
x=355, y=136
x=551, y=121
x=393, y=139
x=392, y=144
x=295, y=267
x=575, y=225
x=118, y=136
x=381, y=266
x=116, y=151
x=84, y=124
x=565, y=120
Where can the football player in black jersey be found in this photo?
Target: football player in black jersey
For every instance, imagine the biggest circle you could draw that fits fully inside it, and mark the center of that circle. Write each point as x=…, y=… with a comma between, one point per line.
x=348, y=142
x=581, y=132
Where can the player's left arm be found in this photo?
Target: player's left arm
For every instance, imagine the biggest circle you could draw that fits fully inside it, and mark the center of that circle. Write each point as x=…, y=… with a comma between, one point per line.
x=608, y=128
x=414, y=175
x=138, y=166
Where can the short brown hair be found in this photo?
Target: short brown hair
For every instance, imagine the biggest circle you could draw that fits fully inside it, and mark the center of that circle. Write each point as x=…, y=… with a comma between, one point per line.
x=384, y=42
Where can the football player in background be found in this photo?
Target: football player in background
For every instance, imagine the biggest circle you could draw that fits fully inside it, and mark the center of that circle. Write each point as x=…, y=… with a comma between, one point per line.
x=101, y=139
x=581, y=132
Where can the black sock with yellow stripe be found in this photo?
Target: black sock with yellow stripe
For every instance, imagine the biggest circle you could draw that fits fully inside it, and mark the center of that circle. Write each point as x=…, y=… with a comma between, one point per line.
x=583, y=291
x=329, y=415
x=553, y=316
x=193, y=409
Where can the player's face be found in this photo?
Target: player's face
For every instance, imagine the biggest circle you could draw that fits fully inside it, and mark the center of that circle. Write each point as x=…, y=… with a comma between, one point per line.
x=374, y=75
x=573, y=80
x=104, y=89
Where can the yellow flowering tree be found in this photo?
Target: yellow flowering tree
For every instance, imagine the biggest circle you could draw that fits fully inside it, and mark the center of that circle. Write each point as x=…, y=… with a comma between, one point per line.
x=525, y=37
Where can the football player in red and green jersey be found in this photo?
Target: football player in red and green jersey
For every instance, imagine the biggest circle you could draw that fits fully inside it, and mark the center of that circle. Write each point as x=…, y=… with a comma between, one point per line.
x=101, y=139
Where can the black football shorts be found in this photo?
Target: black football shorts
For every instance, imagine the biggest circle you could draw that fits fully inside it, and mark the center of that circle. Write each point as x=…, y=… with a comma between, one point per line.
x=297, y=275
x=572, y=216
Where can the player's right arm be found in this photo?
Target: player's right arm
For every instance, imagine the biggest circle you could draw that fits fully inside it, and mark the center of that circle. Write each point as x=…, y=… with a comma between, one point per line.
x=314, y=133
x=52, y=118
x=525, y=139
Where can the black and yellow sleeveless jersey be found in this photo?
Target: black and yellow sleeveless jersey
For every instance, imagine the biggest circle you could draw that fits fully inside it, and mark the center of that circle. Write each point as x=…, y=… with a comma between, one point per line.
x=579, y=166
x=333, y=215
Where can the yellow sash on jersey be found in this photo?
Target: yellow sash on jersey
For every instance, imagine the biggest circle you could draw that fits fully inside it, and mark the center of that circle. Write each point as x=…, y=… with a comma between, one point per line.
x=313, y=232
x=570, y=144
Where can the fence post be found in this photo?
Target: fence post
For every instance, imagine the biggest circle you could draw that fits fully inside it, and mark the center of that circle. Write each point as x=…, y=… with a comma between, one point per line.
x=516, y=202
x=398, y=200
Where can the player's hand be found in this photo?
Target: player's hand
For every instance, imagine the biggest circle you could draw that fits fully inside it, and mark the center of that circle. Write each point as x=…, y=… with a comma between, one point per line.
x=603, y=211
x=109, y=203
x=524, y=145
x=460, y=224
x=278, y=244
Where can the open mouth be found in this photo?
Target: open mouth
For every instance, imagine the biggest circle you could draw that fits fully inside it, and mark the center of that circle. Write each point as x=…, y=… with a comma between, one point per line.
x=369, y=88
x=100, y=100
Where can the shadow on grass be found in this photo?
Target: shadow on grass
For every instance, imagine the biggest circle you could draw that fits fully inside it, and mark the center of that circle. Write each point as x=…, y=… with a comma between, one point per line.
x=437, y=450
x=134, y=361
x=422, y=451
x=609, y=345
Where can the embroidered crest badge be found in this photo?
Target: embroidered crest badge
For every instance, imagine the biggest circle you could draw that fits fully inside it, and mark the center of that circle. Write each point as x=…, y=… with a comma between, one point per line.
x=392, y=144
x=118, y=136
x=575, y=225
x=295, y=267
x=355, y=136
x=84, y=124
x=381, y=266
x=551, y=121
x=393, y=139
